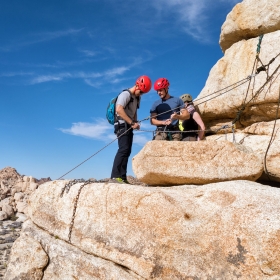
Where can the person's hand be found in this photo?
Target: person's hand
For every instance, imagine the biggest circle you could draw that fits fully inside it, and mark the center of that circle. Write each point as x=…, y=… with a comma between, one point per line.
x=167, y=122
x=174, y=116
x=136, y=126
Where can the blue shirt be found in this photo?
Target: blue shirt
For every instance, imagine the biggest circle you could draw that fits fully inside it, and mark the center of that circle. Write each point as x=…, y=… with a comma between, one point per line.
x=165, y=108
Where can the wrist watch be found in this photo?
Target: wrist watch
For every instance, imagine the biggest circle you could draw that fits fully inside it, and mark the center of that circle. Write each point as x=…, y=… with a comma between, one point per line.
x=132, y=123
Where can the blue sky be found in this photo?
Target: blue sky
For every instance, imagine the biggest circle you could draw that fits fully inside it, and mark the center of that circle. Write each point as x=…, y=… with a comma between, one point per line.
x=62, y=61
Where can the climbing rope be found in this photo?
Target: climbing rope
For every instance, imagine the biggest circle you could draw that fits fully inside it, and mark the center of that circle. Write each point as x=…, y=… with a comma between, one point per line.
x=259, y=44
x=222, y=127
x=238, y=115
x=93, y=154
x=239, y=83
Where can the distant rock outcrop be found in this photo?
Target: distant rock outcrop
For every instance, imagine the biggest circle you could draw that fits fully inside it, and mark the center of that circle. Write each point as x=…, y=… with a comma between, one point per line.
x=14, y=191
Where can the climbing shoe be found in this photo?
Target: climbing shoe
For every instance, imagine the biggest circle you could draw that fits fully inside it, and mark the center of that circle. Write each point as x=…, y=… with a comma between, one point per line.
x=120, y=181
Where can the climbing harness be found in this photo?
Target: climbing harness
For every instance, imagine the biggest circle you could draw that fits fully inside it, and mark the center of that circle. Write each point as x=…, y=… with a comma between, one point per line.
x=164, y=132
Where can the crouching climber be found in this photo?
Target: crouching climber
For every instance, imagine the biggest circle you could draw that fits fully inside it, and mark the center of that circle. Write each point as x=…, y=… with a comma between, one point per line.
x=193, y=128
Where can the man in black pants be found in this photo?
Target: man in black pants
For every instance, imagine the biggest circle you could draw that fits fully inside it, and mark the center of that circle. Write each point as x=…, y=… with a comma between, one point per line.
x=126, y=120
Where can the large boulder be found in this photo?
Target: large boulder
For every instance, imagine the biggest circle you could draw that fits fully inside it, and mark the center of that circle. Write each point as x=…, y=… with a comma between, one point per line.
x=10, y=175
x=27, y=260
x=11, y=185
x=236, y=65
x=264, y=128
x=249, y=19
x=64, y=260
x=265, y=148
x=8, y=178
x=176, y=163
x=223, y=230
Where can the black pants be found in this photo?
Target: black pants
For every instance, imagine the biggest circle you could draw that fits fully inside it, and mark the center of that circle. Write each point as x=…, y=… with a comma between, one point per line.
x=125, y=144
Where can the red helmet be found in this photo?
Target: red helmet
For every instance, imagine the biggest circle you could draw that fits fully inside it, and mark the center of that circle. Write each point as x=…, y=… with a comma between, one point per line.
x=144, y=83
x=161, y=83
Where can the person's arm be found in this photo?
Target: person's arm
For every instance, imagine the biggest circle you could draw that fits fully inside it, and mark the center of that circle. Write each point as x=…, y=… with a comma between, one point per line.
x=184, y=115
x=200, y=123
x=125, y=117
x=135, y=120
x=156, y=122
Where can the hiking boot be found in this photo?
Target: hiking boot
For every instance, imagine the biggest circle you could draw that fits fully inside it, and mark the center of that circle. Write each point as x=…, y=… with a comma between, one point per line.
x=119, y=180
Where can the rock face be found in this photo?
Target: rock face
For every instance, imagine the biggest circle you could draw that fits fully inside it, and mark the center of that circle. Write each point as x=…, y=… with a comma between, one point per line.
x=250, y=19
x=217, y=231
x=236, y=65
x=58, y=260
x=227, y=230
x=177, y=163
x=258, y=144
x=237, y=91
x=14, y=191
x=27, y=260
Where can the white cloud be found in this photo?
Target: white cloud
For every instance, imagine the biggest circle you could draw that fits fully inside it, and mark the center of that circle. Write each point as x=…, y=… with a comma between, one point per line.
x=116, y=71
x=191, y=14
x=14, y=74
x=101, y=130
x=89, y=53
x=91, y=83
x=89, y=78
x=49, y=78
x=39, y=38
x=140, y=139
x=87, y=75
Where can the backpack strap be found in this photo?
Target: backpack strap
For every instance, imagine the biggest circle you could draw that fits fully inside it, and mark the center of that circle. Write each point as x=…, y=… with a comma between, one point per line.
x=117, y=118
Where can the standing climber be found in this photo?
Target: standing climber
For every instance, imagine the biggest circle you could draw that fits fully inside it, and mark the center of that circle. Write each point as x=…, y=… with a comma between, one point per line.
x=126, y=121
x=193, y=128
x=166, y=112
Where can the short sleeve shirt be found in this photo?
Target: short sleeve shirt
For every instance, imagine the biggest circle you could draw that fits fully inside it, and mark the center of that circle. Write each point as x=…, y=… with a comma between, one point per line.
x=129, y=102
x=165, y=108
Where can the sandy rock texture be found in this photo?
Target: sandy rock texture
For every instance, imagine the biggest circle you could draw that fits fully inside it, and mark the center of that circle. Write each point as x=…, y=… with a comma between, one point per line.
x=201, y=162
x=263, y=146
x=217, y=231
x=47, y=257
x=14, y=191
x=9, y=232
x=236, y=65
x=27, y=260
x=250, y=19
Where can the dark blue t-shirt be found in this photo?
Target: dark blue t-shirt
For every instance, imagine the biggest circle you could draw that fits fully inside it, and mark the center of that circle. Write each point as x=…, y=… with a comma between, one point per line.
x=167, y=107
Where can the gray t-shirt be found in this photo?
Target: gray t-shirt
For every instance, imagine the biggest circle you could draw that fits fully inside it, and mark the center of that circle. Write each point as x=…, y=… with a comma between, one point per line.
x=130, y=104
